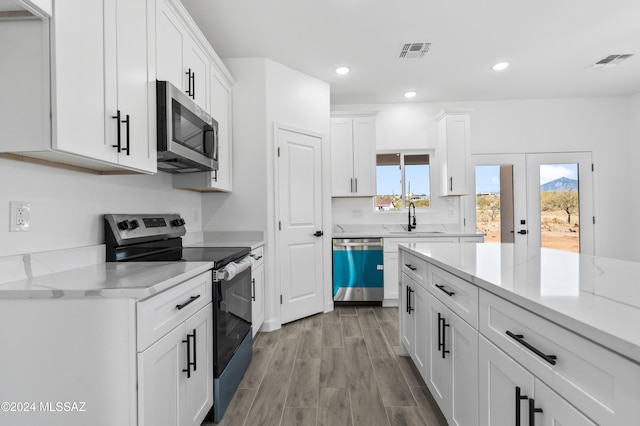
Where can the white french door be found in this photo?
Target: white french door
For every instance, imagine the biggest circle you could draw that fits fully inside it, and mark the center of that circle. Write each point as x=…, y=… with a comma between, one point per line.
x=536, y=199
x=299, y=230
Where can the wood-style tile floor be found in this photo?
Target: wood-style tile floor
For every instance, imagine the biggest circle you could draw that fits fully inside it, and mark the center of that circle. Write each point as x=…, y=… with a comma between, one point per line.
x=339, y=368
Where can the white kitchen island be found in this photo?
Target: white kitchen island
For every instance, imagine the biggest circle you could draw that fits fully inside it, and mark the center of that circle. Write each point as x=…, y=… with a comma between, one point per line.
x=498, y=334
x=105, y=344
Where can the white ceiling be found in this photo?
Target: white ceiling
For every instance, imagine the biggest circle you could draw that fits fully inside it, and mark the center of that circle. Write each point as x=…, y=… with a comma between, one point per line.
x=549, y=43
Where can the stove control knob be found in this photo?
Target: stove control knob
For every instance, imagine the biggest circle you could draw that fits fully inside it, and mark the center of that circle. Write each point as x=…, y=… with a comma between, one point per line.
x=124, y=225
x=133, y=224
x=178, y=222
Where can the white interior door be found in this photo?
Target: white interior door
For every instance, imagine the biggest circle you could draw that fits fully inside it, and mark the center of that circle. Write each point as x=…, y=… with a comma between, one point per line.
x=299, y=194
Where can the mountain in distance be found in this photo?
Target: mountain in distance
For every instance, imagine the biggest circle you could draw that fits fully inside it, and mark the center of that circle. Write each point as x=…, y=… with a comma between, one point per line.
x=561, y=184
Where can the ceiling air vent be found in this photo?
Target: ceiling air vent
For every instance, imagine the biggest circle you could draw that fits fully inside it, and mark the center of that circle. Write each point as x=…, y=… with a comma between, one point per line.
x=610, y=61
x=414, y=49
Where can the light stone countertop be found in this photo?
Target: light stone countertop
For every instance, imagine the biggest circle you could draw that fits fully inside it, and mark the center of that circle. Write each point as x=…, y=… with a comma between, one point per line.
x=251, y=239
x=397, y=231
x=595, y=297
x=127, y=280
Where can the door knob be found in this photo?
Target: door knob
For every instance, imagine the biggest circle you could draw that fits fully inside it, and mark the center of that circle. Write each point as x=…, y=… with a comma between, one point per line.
x=318, y=234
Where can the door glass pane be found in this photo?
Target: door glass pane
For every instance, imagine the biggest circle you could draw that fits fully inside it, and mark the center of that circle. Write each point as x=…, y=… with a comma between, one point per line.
x=494, y=202
x=559, y=207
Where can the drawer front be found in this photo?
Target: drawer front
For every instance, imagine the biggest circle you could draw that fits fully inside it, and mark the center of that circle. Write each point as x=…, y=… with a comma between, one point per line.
x=457, y=294
x=162, y=313
x=415, y=268
x=597, y=381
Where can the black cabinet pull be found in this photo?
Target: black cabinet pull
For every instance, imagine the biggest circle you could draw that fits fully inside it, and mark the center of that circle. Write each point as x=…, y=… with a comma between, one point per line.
x=551, y=359
x=439, y=332
x=318, y=234
x=189, y=89
x=188, y=369
x=253, y=292
x=408, y=265
x=191, y=300
x=407, y=298
x=127, y=121
x=195, y=351
x=444, y=337
x=410, y=308
x=193, y=85
x=356, y=185
x=448, y=293
x=451, y=183
x=532, y=412
x=352, y=185
x=119, y=139
x=519, y=398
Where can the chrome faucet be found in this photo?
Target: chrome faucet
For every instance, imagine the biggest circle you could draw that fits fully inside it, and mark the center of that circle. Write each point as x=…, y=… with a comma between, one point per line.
x=411, y=225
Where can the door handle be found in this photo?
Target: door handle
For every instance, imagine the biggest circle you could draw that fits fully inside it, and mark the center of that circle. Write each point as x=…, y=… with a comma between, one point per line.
x=318, y=234
x=519, y=398
x=522, y=232
x=532, y=412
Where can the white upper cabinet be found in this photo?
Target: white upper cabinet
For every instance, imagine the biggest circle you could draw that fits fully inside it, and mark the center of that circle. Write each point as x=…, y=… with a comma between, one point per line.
x=75, y=85
x=221, y=179
x=353, y=155
x=454, y=148
x=179, y=58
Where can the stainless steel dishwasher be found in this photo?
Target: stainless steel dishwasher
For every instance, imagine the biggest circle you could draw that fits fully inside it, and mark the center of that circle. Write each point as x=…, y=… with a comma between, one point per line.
x=358, y=274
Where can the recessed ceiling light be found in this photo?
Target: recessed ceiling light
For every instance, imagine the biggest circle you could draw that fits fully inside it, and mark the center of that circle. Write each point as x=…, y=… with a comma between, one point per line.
x=500, y=66
x=342, y=70
x=410, y=94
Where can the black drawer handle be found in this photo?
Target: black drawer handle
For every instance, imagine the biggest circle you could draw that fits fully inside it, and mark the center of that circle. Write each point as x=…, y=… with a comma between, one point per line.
x=551, y=359
x=448, y=293
x=191, y=300
x=413, y=268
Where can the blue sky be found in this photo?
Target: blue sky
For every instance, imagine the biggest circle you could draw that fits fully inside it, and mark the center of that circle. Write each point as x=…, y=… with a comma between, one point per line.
x=388, y=179
x=488, y=177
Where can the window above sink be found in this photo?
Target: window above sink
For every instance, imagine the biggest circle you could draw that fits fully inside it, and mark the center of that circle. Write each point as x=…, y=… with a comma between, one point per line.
x=402, y=169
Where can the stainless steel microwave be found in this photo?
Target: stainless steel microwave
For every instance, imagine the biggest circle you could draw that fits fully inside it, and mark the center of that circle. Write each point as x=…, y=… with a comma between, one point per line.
x=187, y=135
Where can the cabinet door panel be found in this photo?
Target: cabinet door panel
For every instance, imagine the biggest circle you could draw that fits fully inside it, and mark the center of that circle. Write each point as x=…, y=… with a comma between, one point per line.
x=438, y=373
x=133, y=86
x=464, y=372
x=196, y=61
x=422, y=327
x=499, y=377
x=555, y=410
x=199, y=387
x=341, y=157
x=391, y=275
x=78, y=124
x=159, y=380
x=364, y=157
x=221, y=112
x=169, y=42
x=408, y=318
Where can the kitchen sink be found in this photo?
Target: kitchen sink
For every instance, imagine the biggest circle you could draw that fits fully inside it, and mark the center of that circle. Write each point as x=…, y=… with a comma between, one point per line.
x=402, y=229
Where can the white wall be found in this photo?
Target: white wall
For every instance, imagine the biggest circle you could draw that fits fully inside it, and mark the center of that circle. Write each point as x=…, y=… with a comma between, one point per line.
x=634, y=191
x=266, y=93
x=67, y=206
x=601, y=125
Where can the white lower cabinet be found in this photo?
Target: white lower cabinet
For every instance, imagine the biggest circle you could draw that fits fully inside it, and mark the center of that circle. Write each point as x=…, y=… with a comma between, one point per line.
x=175, y=374
x=452, y=374
x=509, y=395
x=515, y=367
x=257, y=292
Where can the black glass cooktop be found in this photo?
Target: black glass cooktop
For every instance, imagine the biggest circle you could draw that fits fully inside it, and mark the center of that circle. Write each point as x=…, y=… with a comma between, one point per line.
x=220, y=256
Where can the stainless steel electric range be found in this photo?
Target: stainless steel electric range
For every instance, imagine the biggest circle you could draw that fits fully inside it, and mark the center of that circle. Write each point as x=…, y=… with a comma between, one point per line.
x=158, y=237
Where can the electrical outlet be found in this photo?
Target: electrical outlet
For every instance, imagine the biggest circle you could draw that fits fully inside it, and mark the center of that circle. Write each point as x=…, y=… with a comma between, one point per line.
x=20, y=217
x=356, y=213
